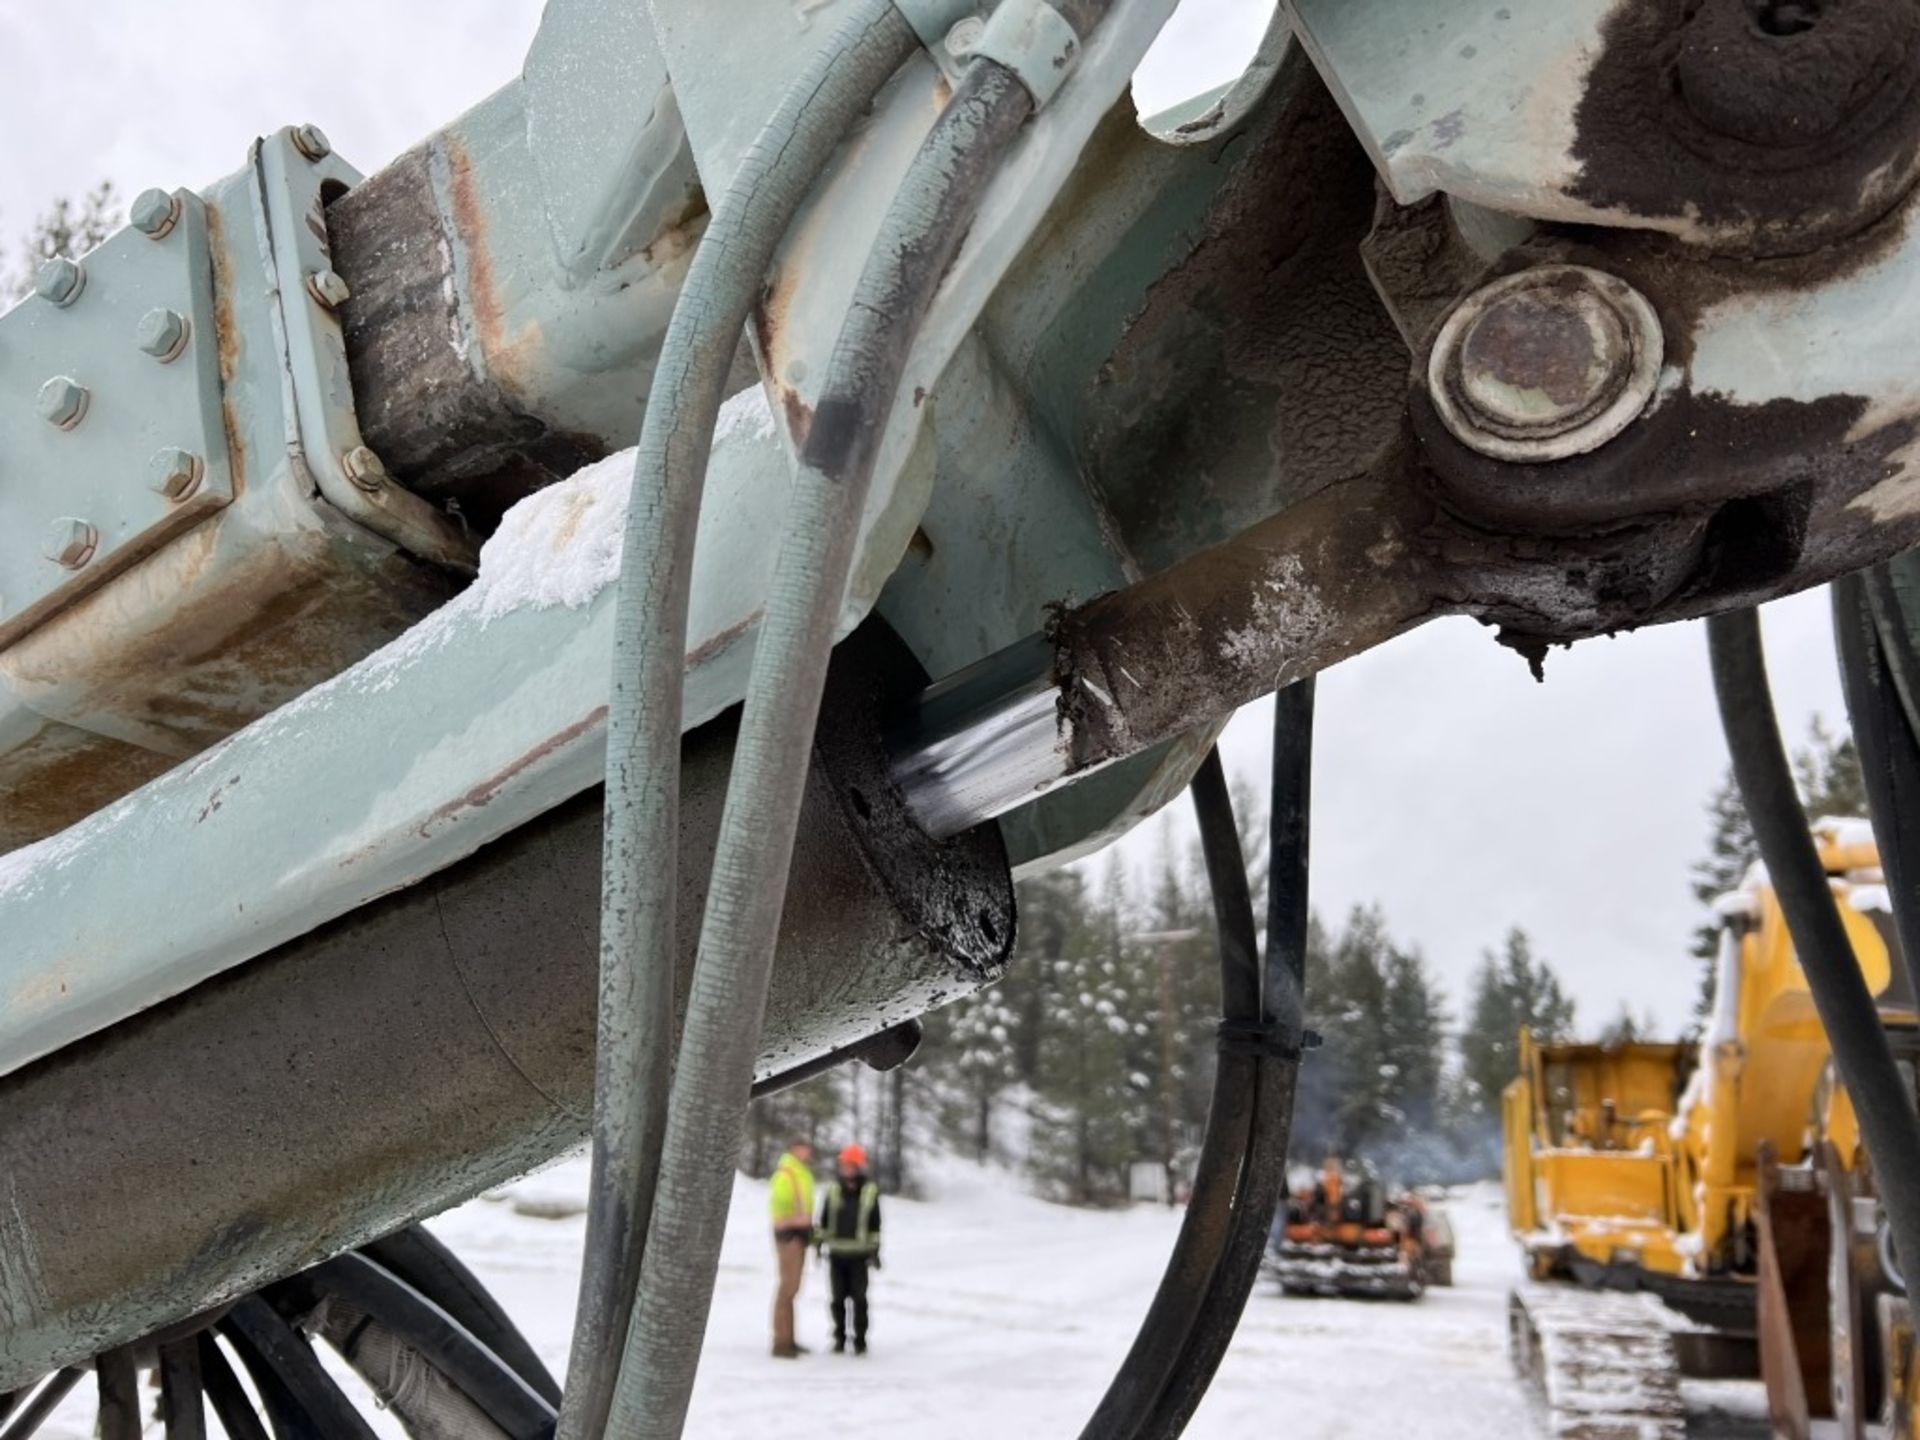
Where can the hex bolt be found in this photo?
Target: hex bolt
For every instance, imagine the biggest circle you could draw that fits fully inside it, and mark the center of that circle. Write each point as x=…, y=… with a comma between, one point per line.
x=70, y=542
x=364, y=468
x=162, y=333
x=327, y=289
x=62, y=401
x=1545, y=363
x=311, y=141
x=174, y=473
x=153, y=213
x=60, y=280
x=964, y=38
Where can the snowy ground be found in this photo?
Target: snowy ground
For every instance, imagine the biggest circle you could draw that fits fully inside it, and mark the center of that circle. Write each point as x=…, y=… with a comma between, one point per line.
x=998, y=1314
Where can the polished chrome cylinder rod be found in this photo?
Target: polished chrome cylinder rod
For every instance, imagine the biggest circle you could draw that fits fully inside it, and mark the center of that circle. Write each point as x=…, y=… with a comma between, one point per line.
x=1280, y=601
x=982, y=741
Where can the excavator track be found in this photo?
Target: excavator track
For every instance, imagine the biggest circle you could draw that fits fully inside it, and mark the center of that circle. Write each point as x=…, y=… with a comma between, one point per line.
x=1601, y=1363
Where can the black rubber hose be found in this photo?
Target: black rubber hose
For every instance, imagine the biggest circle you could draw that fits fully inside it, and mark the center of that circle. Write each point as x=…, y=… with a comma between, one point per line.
x=1865, y=627
x=35, y=1414
x=300, y=1396
x=1263, y=1178
x=224, y=1393
x=1289, y=821
x=118, y=1380
x=1177, y=1303
x=183, y=1414
x=416, y=1256
x=447, y=1345
x=1243, y=1163
x=1888, y=1124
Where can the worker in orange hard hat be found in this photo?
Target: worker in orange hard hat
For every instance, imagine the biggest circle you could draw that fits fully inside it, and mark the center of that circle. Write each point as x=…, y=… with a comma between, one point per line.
x=849, y=1236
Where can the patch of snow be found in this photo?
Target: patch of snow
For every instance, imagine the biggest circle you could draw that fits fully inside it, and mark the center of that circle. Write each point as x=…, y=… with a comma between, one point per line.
x=998, y=1314
x=745, y=416
x=1737, y=905
x=1844, y=830
x=559, y=546
x=1866, y=898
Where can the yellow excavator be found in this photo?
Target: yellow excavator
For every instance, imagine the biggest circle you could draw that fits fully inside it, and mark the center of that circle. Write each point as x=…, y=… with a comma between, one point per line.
x=1705, y=1208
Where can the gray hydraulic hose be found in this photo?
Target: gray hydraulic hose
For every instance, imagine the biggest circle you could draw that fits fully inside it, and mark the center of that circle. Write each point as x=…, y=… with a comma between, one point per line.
x=917, y=241
x=637, y=923
x=1888, y=1125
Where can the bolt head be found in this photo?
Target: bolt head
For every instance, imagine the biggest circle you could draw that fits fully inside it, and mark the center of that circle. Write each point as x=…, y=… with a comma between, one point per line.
x=364, y=468
x=162, y=333
x=311, y=141
x=174, y=473
x=70, y=542
x=1535, y=358
x=964, y=38
x=1546, y=363
x=62, y=401
x=153, y=213
x=328, y=289
x=59, y=280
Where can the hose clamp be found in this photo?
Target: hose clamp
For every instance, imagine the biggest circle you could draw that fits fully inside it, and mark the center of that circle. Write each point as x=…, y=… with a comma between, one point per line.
x=1035, y=42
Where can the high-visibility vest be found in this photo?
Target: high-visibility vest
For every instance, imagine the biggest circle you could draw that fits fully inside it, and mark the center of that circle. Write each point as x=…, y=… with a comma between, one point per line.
x=863, y=1241
x=790, y=1196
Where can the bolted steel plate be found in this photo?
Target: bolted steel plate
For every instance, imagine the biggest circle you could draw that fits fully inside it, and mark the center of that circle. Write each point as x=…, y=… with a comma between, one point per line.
x=106, y=380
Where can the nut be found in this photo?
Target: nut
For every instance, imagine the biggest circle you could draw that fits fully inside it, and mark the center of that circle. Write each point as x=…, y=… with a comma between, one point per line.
x=364, y=468
x=327, y=289
x=964, y=38
x=310, y=141
x=60, y=280
x=62, y=401
x=162, y=333
x=1546, y=363
x=70, y=541
x=174, y=473
x=153, y=213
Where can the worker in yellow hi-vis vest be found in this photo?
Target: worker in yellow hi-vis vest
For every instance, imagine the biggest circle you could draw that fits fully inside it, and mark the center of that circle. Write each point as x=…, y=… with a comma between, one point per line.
x=850, y=1237
x=791, y=1199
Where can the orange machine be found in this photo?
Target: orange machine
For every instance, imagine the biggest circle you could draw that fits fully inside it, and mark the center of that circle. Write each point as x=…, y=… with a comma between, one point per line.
x=1349, y=1236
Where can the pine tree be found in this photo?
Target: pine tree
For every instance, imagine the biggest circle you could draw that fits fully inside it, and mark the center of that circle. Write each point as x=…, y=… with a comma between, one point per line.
x=1376, y=1078
x=1511, y=990
x=1054, y=916
x=974, y=1055
x=1357, y=1030
x=1731, y=851
x=810, y=1111
x=1625, y=1029
x=70, y=228
x=1827, y=772
x=1415, y=1037
x=1317, y=1090
x=1093, y=1105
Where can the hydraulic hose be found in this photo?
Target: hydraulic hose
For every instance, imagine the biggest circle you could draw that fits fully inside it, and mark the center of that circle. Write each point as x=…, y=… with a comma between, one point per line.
x=1279, y=1038
x=1888, y=1124
x=637, y=929
x=1197, y=1249
x=1875, y=649
x=1242, y=1167
x=918, y=238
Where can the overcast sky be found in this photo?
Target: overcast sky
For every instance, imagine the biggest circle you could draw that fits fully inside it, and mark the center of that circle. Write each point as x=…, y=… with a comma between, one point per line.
x=1449, y=786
